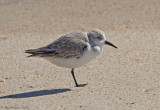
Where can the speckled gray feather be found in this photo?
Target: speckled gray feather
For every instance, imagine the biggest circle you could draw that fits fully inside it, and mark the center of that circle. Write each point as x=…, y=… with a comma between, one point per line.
x=68, y=46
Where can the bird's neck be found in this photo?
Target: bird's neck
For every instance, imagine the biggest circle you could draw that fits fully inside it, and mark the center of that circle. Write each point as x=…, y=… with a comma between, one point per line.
x=91, y=42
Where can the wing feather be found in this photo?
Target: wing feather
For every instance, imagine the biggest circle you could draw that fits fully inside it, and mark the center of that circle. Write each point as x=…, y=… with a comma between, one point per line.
x=68, y=46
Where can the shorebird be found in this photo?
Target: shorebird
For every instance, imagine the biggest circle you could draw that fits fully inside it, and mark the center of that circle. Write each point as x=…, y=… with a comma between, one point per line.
x=73, y=50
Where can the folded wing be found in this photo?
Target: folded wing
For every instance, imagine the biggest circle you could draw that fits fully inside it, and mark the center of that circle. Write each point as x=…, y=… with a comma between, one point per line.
x=67, y=46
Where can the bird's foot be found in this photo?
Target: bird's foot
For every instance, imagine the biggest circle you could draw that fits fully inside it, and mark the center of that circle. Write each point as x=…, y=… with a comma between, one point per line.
x=81, y=85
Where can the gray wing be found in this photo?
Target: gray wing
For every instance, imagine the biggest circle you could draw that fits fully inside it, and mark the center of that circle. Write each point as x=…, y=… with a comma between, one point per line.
x=68, y=46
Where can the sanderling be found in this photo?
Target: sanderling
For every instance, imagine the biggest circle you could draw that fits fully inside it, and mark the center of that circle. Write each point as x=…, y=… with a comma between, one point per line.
x=73, y=50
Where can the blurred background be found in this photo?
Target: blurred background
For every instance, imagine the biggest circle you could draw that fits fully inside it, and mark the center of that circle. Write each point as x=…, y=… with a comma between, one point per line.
x=123, y=78
x=67, y=15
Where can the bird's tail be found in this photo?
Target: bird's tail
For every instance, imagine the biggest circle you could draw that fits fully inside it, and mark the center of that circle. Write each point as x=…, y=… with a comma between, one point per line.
x=33, y=52
x=41, y=52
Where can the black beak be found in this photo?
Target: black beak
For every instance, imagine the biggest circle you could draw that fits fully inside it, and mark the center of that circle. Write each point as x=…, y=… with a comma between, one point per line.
x=108, y=43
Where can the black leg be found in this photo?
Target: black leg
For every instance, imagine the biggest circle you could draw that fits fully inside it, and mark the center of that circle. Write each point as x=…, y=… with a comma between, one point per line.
x=77, y=85
x=74, y=77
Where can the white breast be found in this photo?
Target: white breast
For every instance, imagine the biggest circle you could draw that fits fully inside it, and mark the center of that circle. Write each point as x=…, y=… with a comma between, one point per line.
x=89, y=55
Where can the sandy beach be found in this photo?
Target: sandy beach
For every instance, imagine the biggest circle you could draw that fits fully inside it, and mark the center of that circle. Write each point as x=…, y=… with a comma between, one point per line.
x=127, y=78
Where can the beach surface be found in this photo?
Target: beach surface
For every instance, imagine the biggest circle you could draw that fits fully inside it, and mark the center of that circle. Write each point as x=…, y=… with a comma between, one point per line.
x=127, y=78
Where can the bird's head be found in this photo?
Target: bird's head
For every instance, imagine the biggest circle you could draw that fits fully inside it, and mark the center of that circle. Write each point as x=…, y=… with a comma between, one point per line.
x=98, y=37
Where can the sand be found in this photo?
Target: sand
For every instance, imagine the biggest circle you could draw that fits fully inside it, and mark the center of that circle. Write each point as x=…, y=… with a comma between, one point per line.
x=118, y=79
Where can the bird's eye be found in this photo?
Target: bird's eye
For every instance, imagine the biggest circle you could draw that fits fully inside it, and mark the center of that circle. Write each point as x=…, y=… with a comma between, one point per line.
x=100, y=38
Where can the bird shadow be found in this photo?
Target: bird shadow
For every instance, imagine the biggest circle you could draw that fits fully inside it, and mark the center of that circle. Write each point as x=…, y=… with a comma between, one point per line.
x=36, y=93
